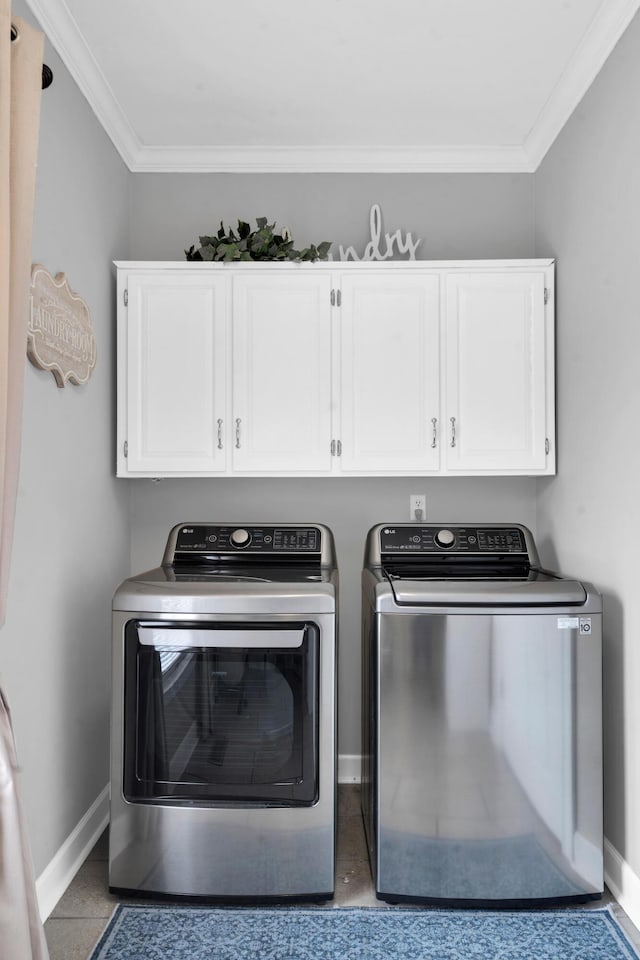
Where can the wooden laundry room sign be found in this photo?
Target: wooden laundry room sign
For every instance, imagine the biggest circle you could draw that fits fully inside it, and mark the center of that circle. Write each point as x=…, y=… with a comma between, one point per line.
x=60, y=335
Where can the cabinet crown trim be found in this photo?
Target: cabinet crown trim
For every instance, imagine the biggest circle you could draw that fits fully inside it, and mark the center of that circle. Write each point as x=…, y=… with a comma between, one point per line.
x=335, y=266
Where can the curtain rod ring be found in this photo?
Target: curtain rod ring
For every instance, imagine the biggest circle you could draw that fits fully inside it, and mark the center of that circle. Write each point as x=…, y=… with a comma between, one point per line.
x=47, y=72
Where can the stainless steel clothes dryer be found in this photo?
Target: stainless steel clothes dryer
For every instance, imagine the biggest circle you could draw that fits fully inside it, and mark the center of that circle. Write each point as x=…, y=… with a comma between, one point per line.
x=482, y=727
x=223, y=755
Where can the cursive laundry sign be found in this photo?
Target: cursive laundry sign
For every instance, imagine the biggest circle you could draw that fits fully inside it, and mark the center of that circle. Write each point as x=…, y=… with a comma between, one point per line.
x=379, y=247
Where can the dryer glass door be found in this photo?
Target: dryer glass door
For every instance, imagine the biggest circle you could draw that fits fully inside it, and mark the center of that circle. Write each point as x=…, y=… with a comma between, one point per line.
x=221, y=713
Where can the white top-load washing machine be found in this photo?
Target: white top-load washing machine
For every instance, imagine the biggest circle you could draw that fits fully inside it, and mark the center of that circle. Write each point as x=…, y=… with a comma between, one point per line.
x=223, y=749
x=482, y=719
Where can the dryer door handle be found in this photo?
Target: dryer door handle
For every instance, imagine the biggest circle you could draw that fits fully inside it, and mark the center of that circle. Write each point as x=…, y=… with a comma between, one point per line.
x=181, y=639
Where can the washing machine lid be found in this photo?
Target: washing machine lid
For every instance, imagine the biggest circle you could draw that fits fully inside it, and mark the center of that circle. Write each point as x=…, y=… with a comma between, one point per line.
x=475, y=565
x=538, y=588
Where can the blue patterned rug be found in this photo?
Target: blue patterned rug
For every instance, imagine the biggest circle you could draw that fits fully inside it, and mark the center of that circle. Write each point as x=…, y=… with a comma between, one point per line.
x=318, y=933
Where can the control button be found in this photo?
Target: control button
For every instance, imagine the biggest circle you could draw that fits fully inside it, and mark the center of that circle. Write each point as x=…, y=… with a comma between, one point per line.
x=240, y=538
x=445, y=538
x=268, y=539
x=212, y=538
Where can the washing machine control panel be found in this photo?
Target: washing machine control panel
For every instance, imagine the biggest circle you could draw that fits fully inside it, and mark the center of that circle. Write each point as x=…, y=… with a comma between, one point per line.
x=205, y=539
x=423, y=539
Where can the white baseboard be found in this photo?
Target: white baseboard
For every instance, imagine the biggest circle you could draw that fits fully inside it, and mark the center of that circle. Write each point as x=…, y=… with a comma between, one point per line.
x=349, y=768
x=623, y=882
x=58, y=874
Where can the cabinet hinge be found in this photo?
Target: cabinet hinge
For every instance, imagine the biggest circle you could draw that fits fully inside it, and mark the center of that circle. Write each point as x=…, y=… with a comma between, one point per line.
x=546, y=295
x=126, y=448
x=125, y=297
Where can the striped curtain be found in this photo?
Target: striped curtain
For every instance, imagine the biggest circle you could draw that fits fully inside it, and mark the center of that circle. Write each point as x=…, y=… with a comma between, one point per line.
x=21, y=932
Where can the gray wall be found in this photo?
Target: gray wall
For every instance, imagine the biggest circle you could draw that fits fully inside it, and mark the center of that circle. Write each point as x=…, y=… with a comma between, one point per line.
x=71, y=537
x=458, y=216
x=455, y=215
x=587, y=213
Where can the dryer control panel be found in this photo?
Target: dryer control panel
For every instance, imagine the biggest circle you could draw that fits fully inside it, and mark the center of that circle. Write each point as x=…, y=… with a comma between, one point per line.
x=432, y=539
x=271, y=543
x=203, y=538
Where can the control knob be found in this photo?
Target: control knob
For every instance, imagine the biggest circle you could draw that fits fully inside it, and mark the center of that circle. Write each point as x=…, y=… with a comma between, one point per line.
x=445, y=538
x=240, y=538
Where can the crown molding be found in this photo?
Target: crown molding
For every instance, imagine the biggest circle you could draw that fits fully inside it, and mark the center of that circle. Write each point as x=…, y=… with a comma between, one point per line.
x=67, y=40
x=606, y=29
x=337, y=159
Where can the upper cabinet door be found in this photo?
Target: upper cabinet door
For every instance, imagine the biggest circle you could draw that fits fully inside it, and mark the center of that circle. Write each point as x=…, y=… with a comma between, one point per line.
x=176, y=370
x=282, y=373
x=496, y=374
x=390, y=373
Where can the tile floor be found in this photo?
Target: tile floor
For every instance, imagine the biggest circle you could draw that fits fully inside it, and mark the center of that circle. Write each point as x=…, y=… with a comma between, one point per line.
x=82, y=912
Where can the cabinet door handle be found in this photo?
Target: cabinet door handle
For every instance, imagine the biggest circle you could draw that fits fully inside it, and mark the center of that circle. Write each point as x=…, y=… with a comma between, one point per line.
x=453, y=431
x=219, y=434
x=434, y=432
x=238, y=422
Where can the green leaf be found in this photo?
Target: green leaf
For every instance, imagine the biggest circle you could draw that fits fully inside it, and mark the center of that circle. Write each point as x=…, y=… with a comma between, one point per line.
x=260, y=244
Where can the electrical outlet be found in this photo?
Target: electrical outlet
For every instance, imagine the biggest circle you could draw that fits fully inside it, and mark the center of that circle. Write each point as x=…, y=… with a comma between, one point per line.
x=417, y=507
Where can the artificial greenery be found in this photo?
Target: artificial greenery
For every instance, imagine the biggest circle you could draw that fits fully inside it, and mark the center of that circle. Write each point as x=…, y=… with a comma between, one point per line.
x=261, y=244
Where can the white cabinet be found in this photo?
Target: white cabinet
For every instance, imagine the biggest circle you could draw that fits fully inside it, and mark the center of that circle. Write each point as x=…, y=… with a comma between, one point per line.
x=223, y=371
x=282, y=373
x=352, y=369
x=172, y=374
x=389, y=334
x=496, y=372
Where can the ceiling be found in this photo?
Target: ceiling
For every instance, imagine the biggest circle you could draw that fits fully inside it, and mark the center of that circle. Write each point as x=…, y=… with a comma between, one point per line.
x=337, y=85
